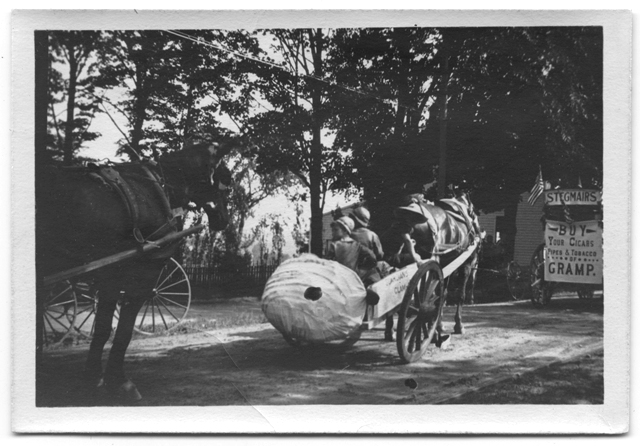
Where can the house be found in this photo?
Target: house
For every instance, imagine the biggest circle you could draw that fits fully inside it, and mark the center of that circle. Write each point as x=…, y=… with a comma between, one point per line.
x=529, y=230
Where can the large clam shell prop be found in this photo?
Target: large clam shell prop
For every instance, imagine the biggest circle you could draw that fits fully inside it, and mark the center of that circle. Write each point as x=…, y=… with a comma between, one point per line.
x=314, y=300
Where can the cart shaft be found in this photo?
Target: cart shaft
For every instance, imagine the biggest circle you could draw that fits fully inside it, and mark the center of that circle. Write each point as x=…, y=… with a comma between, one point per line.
x=121, y=256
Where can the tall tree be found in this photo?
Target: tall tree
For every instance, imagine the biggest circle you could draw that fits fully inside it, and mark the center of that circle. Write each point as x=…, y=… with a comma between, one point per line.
x=293, y=133
x=382, y=121
x=71, y=69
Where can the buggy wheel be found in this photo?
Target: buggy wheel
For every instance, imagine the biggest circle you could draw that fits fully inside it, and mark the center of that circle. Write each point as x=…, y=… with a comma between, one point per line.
x=60, y=309
x=515, y=280
x=420, y=312
x=87, y=298
x=169, y=302
x=540, y=289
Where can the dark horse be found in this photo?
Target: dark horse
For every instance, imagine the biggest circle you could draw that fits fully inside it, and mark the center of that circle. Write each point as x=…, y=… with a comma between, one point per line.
x=88, y=213
x=442, y=231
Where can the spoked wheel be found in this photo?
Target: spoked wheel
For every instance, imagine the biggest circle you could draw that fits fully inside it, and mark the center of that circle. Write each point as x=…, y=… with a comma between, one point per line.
x=420, y=312
x=169, y=302
x=59, y=314
x=87, y=298
x=516, y=280
x=540, y=289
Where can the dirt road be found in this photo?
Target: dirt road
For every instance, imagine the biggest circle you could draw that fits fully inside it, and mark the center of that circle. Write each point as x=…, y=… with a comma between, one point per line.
x=504, y=343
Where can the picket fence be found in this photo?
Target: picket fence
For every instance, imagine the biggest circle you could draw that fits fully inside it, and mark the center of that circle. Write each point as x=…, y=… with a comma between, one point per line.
x=207, y=276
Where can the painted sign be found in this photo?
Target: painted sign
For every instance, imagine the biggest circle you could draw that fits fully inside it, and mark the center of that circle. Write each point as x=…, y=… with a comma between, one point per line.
x=572, y=197
x=574, y=252
x=391, y=289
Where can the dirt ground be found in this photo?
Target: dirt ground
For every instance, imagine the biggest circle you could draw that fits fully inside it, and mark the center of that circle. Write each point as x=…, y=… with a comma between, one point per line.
x=511, y=353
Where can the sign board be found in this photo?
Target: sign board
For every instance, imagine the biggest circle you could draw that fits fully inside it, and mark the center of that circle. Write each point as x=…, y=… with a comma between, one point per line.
x=574, y=252
x=391, y=289
x=572, y=197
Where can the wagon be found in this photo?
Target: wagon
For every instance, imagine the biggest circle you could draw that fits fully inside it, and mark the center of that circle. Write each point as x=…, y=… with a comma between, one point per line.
x=571, y=256
x=311, y=300
x=70, y=300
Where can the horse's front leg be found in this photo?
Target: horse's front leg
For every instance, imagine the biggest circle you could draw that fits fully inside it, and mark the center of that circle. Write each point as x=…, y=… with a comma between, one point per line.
x=459, y=328
x=101, y=332
x=471, y=284
x=114, y=372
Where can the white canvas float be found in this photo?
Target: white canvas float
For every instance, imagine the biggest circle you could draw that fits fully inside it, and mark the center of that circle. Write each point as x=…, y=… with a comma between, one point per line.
x=336, y=315
x=313, y=301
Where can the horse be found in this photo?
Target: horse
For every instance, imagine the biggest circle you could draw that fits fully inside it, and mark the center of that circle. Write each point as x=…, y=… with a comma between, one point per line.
x=442, y=231
x=85, y=213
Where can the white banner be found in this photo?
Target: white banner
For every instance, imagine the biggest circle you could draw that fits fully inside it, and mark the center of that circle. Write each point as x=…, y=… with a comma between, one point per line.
x=574, y=252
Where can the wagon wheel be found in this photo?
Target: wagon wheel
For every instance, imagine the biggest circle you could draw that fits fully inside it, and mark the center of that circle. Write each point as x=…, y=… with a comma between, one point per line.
x=420, y=312
x=169, y=302
x=59, y=314
x=515, y=280
x=87, y=298
x=540, y=289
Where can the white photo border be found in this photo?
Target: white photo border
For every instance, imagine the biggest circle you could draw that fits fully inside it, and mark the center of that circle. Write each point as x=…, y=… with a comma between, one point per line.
x=610, y=417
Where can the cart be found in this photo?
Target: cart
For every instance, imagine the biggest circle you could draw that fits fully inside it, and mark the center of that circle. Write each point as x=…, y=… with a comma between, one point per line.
x=416, y=292
x=570, y=259
x=70, y=300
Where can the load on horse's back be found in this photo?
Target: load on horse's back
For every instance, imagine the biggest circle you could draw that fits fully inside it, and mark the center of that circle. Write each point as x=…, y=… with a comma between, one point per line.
x=86, y=213
x=441, y=231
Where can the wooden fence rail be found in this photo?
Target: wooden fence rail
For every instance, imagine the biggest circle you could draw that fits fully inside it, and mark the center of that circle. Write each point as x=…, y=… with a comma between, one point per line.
x=207, y=276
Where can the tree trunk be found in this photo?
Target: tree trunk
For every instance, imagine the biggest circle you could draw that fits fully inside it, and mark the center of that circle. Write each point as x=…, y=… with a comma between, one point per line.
x=442, y=165
x=315, y=170
x=71, y=105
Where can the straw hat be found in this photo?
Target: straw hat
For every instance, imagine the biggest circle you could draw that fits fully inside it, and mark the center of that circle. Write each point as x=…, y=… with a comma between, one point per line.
x=345, y=222
x=361, y=215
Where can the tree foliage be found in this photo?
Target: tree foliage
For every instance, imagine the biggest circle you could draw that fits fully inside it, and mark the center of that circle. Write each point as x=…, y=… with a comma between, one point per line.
x=378, y=109
x=73, y=91
x=293, y=132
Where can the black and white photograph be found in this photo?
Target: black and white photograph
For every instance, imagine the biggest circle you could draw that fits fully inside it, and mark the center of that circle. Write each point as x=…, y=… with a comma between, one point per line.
x=321, y=222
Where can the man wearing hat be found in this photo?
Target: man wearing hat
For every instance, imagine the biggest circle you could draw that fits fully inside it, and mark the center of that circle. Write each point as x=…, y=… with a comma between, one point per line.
x=363, y=234
x=348, y=252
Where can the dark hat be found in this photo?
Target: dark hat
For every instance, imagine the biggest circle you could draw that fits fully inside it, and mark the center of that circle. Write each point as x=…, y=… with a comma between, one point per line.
x=361, y=215
x=414, y=210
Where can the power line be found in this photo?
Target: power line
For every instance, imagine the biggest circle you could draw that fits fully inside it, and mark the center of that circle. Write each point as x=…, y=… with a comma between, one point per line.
x=201, y=41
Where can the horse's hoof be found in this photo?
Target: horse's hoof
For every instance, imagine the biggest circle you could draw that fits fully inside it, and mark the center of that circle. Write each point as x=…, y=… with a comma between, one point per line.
x=128, y=391
x=443, y=341
x=388, y=336
x=458, y=330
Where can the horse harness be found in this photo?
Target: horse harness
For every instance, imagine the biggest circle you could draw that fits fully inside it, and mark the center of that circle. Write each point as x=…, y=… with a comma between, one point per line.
x=110, y=176
x=453, y=209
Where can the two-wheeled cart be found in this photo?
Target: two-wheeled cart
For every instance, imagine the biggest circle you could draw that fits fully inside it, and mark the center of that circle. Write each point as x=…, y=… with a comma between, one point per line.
x=311, y=300
x=570, y=258
x=70, y=300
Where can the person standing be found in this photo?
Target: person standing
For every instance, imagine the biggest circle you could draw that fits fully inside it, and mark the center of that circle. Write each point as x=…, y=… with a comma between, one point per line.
x=365, y=236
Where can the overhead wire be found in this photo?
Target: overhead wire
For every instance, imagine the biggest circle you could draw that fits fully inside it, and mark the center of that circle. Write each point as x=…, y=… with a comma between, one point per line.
x=201, y=41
